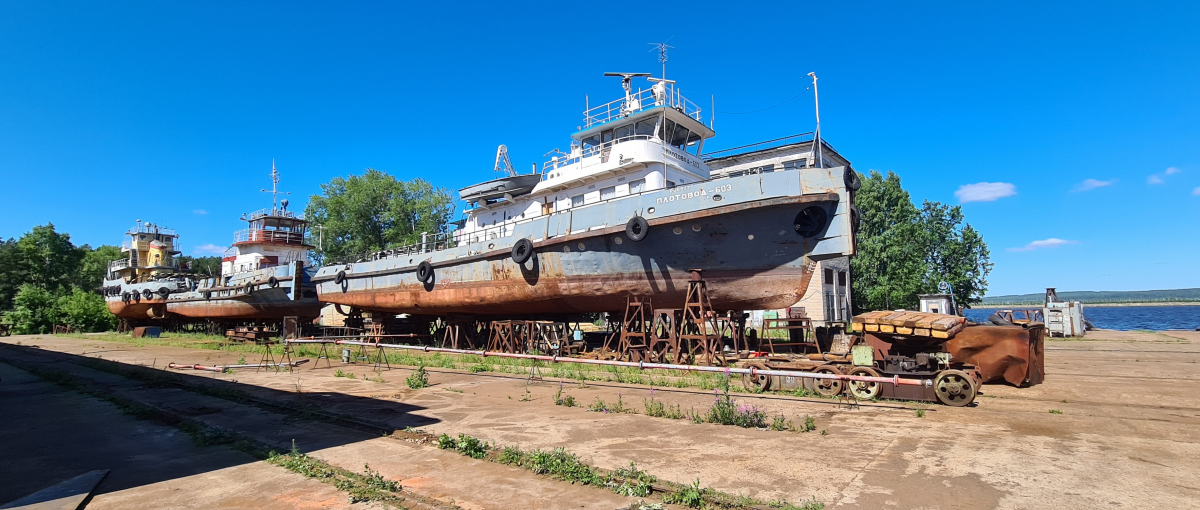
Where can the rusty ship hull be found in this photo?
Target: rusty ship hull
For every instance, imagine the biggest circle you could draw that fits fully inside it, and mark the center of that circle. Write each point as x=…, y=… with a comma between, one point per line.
x=144, y=309
x=738, y=230
x=270, y=293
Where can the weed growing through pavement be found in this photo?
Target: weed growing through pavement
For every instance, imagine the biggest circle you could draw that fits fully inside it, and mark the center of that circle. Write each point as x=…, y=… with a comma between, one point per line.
x=242, y=359
x=563, y=400
x=366, y=487
x=475, y=369
x=527, y=396
x=920, y=413
x=467, y=445
x=339, y=373
x=658, y=409
x=691, y=496
x=809, y=424
x=600, y=406
x=418, y=379
x=454, y=390
x=781, y=423
x=824, y=432
x=725, y=411
x=807, y=505
x=1055, y=411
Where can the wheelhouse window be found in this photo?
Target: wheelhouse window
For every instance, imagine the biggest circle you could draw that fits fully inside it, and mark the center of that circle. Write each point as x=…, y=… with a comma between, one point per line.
x=795, y=164
x=637, y=186
x=607, y=193
x=576, y=200
x=645, y=127
x=625, y=131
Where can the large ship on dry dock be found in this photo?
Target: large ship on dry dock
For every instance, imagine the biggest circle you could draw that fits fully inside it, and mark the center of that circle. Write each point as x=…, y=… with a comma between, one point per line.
x=630, y=208
x=137, y=285
x=264, y=275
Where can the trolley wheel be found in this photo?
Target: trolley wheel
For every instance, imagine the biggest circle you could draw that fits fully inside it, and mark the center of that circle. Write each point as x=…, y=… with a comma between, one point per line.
x=757, y=383
x=863, y=390
x=828, y=387
x=955, y=388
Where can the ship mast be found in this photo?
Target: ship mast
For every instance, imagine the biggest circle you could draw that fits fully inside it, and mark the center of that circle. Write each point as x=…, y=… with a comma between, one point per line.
x=275, y=188
x=817, y=105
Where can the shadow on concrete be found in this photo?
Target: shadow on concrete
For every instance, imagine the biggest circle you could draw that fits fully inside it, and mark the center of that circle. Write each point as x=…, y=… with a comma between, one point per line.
x=50, y=433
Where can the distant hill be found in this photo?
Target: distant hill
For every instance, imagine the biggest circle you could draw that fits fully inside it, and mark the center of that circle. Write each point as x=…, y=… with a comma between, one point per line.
x=1101, y=296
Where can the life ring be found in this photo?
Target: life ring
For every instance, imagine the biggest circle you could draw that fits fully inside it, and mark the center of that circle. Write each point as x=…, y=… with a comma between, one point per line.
x=637, y=228
x=425, y=272
x=522, y=250
x=853, y=183
x=273, y=282
x=341, y=277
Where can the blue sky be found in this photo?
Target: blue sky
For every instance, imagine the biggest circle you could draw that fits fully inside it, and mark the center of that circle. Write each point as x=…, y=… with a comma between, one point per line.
x=1083, y=119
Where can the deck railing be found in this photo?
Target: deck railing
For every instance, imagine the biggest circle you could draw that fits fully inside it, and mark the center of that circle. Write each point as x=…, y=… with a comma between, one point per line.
x=768, y=144
x=256, y=235
x=638, y=101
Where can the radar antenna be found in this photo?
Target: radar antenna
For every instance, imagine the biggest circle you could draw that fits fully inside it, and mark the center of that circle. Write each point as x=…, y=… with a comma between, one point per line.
x=275, y=188
x=503, y=165
x=631, y=103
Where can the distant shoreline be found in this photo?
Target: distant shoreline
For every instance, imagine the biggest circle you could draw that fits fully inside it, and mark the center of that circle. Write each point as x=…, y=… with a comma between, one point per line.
x=1039, y=305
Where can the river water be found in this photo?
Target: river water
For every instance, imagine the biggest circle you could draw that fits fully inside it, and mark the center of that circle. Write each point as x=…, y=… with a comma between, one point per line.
x=1124, y=318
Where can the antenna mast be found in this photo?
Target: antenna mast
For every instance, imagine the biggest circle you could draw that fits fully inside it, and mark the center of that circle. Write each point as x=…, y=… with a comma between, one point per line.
x=275, y=188
x=817, y=104
x=662, y=55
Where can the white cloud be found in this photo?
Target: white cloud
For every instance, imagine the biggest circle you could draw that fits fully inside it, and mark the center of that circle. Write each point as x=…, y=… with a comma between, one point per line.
x=984, y=191
x=1045, y=243
x=1160, y=178
x=1196, y=192
x=208, y=249
x=199, y=211
x=1090, y=184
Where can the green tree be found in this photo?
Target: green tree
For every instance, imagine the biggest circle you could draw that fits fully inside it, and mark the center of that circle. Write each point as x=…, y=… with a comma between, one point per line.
x=904, y=251
x=375, y=211
x=10, y=272
x=34, y=310
x=207, y=266
x=887, y=270
x=48, y=259
x=94, y=265
x=85, y=311
x=954, y=253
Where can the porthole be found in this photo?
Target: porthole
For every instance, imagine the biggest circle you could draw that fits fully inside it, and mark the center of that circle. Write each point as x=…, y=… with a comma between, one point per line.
x=491, y=245
x=717, y=198
x=677, y=230
x=650, y=211
x=618, y=240
x=566, y=249
x=580, y=246
x=750, y=237
x=695, y=227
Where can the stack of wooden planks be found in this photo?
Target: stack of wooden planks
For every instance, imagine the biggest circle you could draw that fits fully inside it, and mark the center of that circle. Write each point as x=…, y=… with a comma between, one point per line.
x=933, y=325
